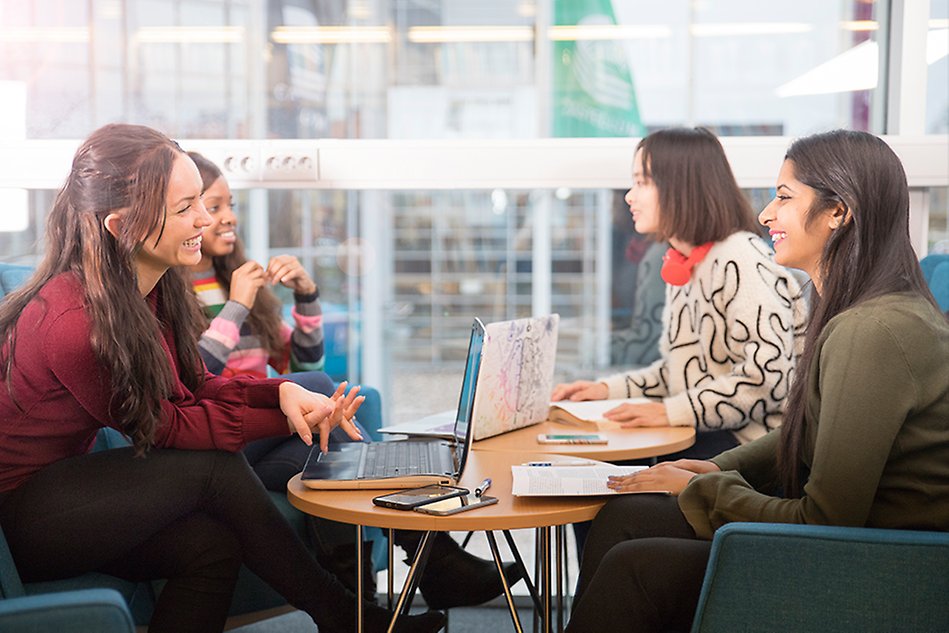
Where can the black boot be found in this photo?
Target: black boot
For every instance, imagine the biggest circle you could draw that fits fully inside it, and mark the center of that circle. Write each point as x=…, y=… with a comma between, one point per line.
x=453, y=577
x=341, y=562
x=337, y=554
x=334, y=611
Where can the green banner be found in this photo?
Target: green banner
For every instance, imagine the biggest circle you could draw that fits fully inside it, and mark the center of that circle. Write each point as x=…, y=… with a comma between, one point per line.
x=593, y=93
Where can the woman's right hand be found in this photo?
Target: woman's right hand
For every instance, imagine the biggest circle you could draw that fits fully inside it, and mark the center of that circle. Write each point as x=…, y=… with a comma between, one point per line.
x=308, y=412
x=580, y=390
x=246, y=280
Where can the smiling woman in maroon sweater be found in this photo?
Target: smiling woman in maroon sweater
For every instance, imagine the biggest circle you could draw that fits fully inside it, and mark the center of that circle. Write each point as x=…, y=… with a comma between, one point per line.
x=105, y=334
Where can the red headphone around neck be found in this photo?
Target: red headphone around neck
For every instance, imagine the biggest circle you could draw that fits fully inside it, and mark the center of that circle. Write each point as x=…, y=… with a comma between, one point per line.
x=677, y=268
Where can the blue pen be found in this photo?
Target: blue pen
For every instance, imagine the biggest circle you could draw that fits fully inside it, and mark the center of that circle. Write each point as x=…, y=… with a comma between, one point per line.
x=482, y=488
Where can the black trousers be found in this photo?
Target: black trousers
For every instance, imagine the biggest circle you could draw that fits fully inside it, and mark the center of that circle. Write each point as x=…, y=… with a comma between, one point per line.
x=191, y=517
x=642, y=568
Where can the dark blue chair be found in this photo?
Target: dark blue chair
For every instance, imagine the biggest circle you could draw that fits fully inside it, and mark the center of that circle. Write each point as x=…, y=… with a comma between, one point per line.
x=765, y=577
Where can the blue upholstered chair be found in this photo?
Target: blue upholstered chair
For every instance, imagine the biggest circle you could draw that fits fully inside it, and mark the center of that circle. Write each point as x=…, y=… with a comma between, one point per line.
x=86, y=610
x=765, y=577
x=936, y=271
x=253, y=598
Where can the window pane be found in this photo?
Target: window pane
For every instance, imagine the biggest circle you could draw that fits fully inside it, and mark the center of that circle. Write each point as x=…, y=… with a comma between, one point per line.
x=937, y=60
x=450, y=69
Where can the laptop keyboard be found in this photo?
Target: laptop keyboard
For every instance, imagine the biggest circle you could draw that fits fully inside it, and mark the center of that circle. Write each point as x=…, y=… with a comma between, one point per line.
x=390, y=459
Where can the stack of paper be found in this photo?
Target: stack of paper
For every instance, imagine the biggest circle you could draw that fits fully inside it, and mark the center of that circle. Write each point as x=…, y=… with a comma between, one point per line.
x=574, y=481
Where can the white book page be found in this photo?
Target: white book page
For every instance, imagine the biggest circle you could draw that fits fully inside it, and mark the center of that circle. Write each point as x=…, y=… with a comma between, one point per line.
x=593, y=410
x=573, y=481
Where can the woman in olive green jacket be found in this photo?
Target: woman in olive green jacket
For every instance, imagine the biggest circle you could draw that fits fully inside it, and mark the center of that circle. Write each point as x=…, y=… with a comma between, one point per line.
x=865, y=439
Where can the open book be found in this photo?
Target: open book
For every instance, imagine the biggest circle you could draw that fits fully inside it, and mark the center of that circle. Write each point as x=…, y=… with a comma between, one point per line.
x=574, y=480
x=588, y=411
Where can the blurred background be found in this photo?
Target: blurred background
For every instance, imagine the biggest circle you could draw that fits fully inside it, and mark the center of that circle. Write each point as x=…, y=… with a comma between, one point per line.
x=435, y=160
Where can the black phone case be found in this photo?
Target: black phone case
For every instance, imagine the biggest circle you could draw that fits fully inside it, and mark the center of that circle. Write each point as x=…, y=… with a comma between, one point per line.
x=390, y=500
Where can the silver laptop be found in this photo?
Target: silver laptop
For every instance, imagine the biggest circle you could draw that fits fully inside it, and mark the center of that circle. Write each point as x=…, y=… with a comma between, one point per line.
x=404, y=463
x=517, y=375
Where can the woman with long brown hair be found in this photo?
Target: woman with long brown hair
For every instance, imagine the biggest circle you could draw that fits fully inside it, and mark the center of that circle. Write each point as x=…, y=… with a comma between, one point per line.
x=105, y=334
x=865, y=439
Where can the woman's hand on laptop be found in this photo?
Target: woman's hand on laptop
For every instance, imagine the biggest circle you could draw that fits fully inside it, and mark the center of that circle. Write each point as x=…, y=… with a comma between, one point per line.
x=307, y=412
x=580, y=390
x=345, y=410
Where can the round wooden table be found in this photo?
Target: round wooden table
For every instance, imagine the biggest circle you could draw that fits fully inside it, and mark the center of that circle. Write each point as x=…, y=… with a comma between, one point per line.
x=621, y=443
x=510, y=513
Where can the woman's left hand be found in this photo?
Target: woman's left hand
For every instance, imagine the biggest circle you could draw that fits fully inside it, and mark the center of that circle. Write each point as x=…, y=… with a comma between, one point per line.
x=639, y=415
x=662, y=477
x=287, y=270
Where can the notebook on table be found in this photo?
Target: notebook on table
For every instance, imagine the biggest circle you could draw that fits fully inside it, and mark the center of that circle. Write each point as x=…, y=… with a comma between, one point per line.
x=405, y=463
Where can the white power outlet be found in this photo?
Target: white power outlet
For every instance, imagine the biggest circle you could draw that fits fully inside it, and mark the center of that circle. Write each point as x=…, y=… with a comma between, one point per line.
x=291, y=165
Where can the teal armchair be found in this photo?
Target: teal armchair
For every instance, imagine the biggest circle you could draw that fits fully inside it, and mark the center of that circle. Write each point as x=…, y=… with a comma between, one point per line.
x=87, y=610
x=766, y=577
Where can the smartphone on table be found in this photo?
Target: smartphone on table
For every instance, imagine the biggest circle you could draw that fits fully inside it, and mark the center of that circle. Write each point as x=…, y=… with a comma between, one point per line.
x=454, y=505
x=414, y=497
x=571, y=438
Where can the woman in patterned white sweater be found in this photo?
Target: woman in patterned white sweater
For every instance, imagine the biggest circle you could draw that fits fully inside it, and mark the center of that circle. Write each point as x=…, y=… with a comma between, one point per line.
x=731, y=316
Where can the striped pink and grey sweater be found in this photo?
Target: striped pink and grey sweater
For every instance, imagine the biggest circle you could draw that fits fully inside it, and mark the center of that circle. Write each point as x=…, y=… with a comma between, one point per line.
x=230, y=348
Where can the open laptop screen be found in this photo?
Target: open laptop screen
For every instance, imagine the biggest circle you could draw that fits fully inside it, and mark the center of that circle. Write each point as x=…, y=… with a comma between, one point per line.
x=468, y=388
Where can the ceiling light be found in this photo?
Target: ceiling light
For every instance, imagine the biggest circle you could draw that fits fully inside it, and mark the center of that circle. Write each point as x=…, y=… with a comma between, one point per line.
x=750, y=28
x=63, y=34
x=855, y=69
x=189, y=35
x=457, y=34
x=608, y=32
x=331, y=35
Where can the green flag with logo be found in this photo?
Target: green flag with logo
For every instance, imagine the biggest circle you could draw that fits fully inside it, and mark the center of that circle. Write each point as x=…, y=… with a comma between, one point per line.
x=593, y=85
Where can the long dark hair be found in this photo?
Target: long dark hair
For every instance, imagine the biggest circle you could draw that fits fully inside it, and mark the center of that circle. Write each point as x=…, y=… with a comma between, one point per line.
x=869, y=255
x=118, y=167
x=699, y=199
x=264, y=317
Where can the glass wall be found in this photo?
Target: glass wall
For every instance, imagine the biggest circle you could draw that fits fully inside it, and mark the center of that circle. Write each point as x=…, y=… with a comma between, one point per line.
x=453, y=71
x=937, y=68
x=449, y=68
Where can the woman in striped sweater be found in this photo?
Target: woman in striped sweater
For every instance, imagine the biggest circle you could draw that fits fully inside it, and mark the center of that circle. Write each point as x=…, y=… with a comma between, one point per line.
x=246, y=334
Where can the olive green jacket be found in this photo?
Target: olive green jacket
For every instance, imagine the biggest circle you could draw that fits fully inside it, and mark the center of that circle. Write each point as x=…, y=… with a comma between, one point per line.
x=876, y=440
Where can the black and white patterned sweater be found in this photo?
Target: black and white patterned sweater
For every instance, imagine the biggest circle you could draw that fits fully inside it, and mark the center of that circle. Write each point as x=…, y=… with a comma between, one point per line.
x=730, y=340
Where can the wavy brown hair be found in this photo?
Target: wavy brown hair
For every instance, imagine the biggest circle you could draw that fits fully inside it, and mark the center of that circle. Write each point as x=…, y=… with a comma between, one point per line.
x=867, y=256
x=264, y=318
x=119, y=167
x=699, y=199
